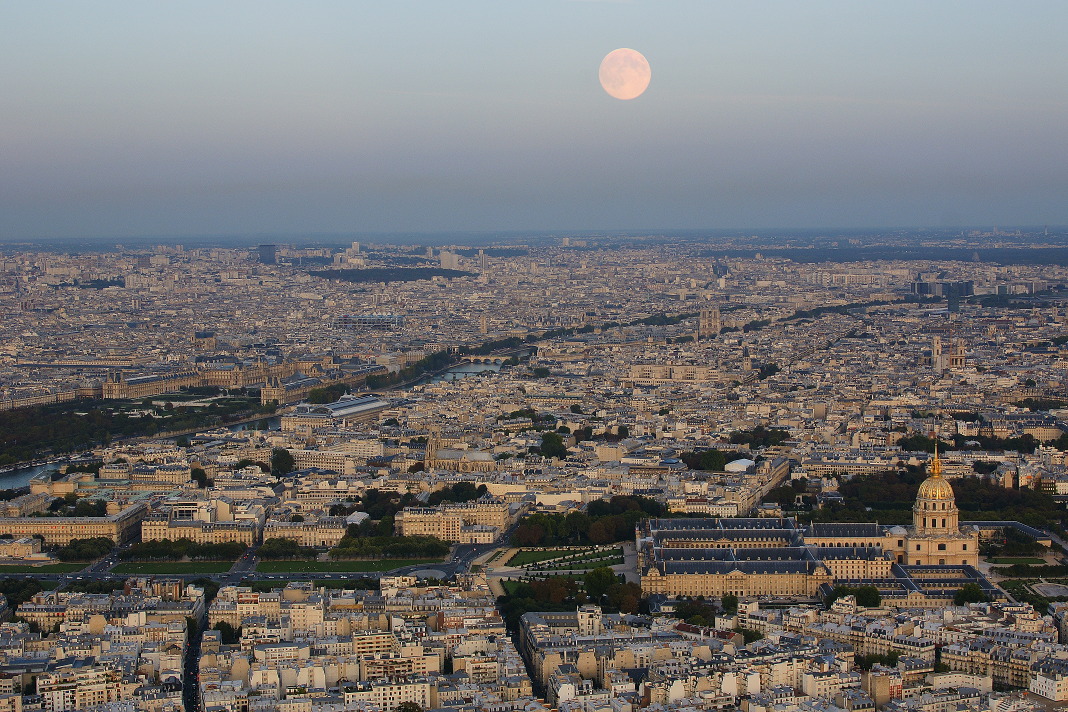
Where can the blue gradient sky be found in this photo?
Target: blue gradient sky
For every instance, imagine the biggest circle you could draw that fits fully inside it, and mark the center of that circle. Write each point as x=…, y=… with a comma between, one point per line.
x=145, y=118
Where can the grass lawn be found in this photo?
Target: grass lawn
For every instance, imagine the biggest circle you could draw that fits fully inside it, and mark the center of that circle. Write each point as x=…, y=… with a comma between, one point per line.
x=584, y=564
x=173, y=567
x=510, y=586
x=281, y=567
x=532, y=557
x=43, y=569
x=260, y=585
x=1016, y=560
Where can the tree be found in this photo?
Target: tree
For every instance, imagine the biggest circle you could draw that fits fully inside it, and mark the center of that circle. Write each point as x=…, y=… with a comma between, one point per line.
x=281, y=461
x=602, y=532
x=85, y=549
x=576, y=525
x=528, y=535
x=730, y=603
x=552, y=445
x=228, y=634
x=199, y=476
x=409, y=707
x=576, y=408
x=598, y=581
x=969, y=593
x=750, y=635
x=868, y=596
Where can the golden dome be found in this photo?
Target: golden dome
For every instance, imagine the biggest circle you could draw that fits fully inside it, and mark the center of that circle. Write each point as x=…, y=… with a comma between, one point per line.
x=935, y=486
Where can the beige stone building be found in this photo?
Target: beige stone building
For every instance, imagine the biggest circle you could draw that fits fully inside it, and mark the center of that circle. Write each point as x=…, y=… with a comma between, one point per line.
x=160, y=527
x=119, y=527
x=653, y=374
x=19, y=548
x=477, y=522
x=313, y=531
x=774, y=556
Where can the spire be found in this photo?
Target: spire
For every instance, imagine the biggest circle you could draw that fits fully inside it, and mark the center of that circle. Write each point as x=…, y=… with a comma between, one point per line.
x=936, y=464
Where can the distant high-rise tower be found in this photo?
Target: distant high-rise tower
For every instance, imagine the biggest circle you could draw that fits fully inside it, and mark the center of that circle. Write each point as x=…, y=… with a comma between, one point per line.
x=482, y=260
x=268, y=254
x=483, y=325
x=747, y=360
x=449, y=260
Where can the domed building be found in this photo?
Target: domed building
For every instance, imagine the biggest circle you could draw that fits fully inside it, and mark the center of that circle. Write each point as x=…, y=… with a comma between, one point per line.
x=935, y=537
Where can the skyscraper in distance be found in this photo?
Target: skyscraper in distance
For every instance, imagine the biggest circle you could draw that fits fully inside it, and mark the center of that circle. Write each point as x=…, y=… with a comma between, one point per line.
x=268, y=254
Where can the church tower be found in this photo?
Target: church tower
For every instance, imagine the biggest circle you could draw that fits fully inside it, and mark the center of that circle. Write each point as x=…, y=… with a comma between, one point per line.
x=935, y=511
x=433, y=444
x=709, y=323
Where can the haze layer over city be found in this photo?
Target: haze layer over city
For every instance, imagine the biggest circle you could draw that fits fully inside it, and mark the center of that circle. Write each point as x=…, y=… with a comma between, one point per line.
x=557, y=356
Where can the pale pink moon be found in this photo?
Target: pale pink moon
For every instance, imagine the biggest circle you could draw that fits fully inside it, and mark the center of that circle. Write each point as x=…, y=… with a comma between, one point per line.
x=624, y=73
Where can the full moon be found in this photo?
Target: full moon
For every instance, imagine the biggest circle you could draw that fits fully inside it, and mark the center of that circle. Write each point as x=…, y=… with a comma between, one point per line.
x=624, y=73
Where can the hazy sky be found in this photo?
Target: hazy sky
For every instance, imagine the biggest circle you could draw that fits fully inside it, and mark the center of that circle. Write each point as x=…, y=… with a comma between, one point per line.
x=153, y=118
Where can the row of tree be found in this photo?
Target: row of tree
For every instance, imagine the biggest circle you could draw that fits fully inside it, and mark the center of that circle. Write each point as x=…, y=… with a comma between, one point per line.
x=30, y=432
x=888, y=497
x=563, y=593
x=278, y=548
x=603, y=522
x=176, y=549
x=390, y=547
x=85, y=549
x=428, y=364
x=712, y=460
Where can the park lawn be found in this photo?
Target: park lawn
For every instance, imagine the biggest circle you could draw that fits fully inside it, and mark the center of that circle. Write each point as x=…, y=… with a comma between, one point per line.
x=281, y=567
x=584, y=564
x=522, y=558
x=1017, y=560
x=261, y=585
x=43, y=569
x=173, y=567
x=510, y=585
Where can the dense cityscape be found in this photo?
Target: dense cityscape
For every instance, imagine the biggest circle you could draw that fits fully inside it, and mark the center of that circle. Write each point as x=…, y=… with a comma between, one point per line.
x=584, y=473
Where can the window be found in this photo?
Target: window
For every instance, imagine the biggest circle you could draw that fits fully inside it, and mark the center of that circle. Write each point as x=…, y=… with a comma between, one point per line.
x=900, y=542
x=965, y=547
x=941, y=547
x=941, y=562
x=943, y=522
x=917, y=549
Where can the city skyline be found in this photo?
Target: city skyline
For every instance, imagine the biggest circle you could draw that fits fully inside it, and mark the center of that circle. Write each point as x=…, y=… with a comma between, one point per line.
x=131, y=120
